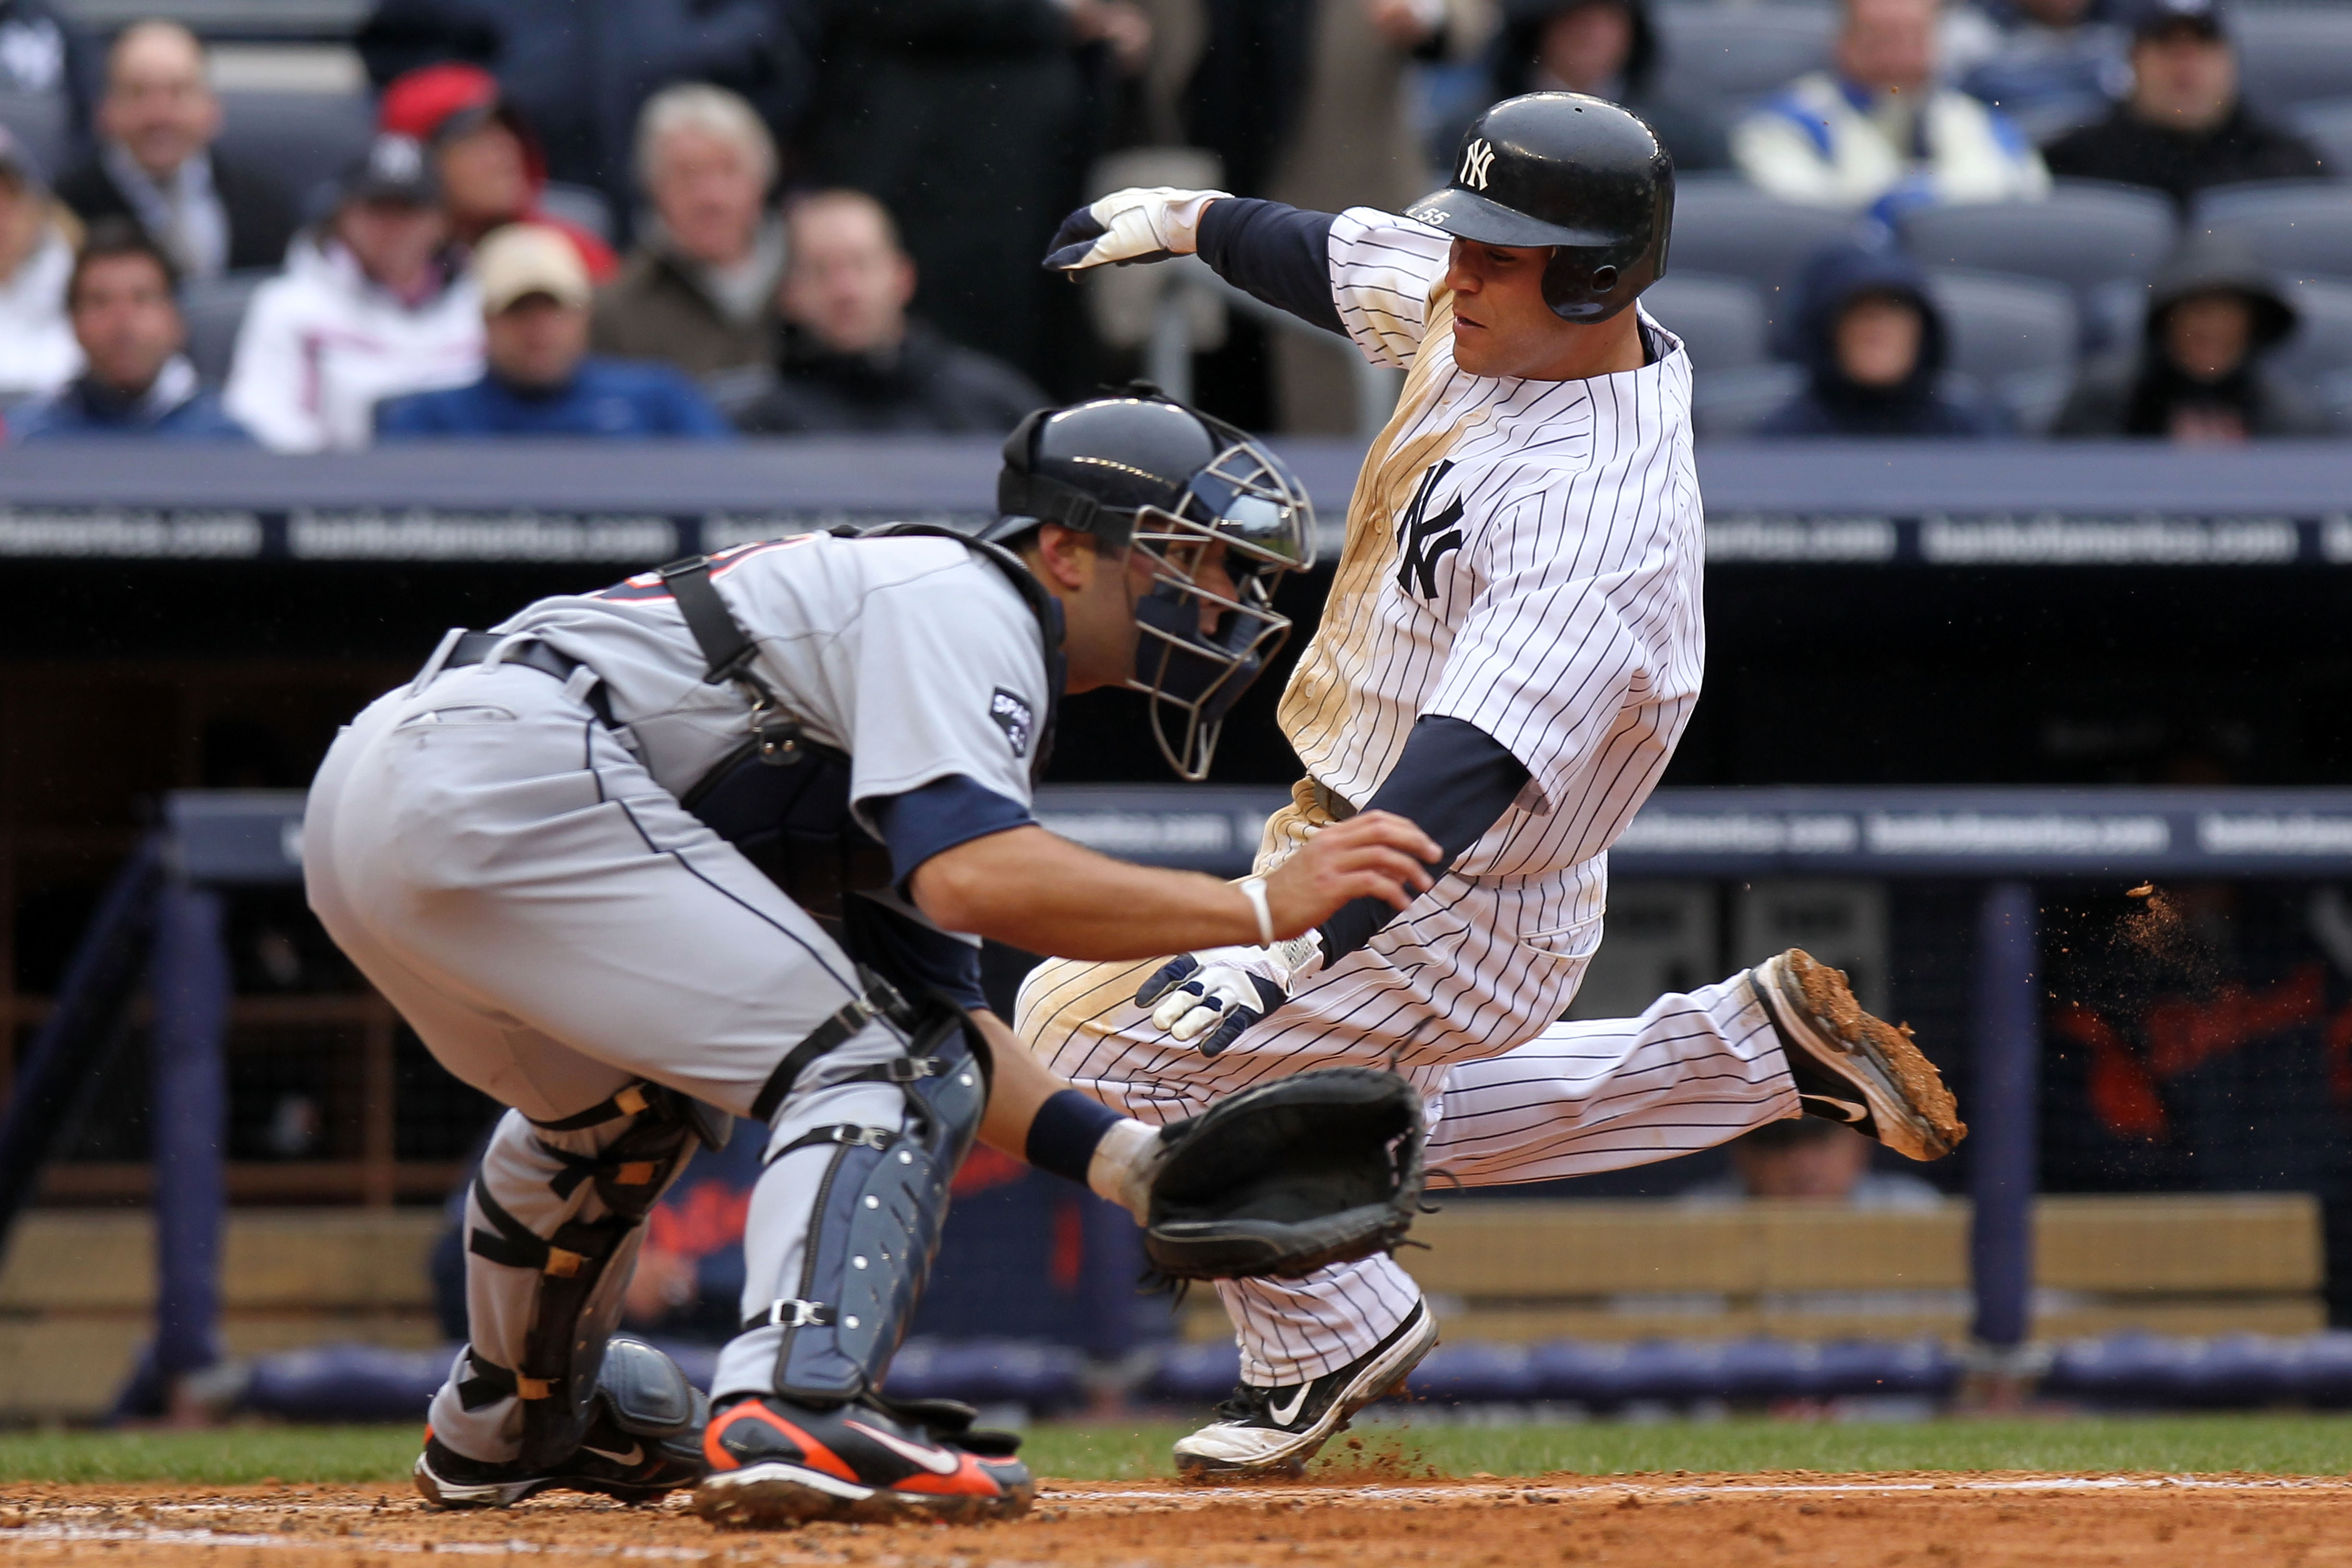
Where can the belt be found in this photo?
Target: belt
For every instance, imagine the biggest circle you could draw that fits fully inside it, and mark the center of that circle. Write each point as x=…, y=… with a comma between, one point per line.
x=474, y=648
x=1335, y=804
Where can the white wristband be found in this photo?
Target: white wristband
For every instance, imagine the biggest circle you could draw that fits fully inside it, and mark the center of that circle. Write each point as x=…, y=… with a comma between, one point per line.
x=1253, y=889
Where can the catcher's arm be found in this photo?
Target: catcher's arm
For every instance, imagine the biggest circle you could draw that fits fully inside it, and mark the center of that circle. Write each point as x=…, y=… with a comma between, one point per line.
x=1026, y=887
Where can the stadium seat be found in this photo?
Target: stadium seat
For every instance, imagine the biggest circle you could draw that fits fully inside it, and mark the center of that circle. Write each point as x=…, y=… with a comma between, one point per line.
x=2326, y=122
x=1039, y=1377
x=39, y=121
x=578, y=205
x=2293, y=54
x=1732, y=403
x=1725, y=56
x=2322, y=344
x=305, y=139
x=2015, y=336
x=1193, y=1373
x=2301, y=227
x=1719, y=320
x=1477, y=1373
x=2088, y=233
x=1736, y=231
x=214, y=310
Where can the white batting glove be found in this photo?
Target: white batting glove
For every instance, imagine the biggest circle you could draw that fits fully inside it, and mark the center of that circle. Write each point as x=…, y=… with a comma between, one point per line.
x=1210, y=997
x=1148, y=224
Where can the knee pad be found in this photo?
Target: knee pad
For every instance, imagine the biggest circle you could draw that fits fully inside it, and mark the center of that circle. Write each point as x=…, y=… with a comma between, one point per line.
x=876, y=1223
x=578, y=1300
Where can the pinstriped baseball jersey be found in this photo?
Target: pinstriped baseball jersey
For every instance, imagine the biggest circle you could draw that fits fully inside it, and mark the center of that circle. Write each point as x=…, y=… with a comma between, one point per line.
x=1522, y=555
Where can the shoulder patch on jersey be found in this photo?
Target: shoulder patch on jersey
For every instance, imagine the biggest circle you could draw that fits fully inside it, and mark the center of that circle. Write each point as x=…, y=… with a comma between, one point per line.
x=1424, y=541
x=1013, y=716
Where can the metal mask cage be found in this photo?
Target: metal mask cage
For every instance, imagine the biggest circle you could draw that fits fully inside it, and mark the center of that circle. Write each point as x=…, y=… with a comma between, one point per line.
x=1247, y=501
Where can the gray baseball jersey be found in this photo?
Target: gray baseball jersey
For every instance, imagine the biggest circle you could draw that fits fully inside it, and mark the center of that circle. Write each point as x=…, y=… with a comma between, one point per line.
x=914, y=656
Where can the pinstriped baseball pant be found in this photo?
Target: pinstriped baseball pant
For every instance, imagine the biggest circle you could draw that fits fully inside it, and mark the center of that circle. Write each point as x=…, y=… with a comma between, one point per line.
x=1694, y=1070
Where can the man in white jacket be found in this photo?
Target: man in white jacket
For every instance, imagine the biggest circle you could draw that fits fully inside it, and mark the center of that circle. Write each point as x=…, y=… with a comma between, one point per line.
x=369, y=306
x=1879, y=131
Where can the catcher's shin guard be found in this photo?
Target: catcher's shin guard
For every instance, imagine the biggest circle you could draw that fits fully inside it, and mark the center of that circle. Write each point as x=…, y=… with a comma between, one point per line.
x=582, y=1266
x=875, y=1222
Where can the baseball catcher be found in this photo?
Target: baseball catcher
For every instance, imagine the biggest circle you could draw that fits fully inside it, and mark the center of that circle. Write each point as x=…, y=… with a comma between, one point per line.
x=721, y=841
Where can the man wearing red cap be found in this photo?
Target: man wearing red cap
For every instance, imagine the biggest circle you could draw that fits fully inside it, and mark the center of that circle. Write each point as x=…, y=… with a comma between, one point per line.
x=489, y=164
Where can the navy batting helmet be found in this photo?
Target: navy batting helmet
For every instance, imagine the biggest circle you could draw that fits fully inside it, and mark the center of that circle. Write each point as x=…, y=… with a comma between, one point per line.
x=1577, y=173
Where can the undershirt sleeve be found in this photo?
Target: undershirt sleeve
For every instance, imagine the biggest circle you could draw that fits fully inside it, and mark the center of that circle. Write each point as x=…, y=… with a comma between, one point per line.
x=1453, y=782
x=935, y=817
x=1279, y=254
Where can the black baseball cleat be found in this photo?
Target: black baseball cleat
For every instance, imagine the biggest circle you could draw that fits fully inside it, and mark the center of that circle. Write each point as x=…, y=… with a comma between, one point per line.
x=774, y=1463
x=644, y=1441
x=1275, y=1431
x=1851, y=1067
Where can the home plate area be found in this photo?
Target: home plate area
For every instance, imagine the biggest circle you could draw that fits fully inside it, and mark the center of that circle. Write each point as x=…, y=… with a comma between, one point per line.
x=1931, y=1520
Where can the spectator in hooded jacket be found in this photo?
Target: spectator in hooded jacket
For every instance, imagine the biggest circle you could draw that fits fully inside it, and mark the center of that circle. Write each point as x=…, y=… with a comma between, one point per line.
x=540, y=379
x=136, y=382
x=1878, y=132
x=852, y=359
x=1608, y=48
x=37, y=352
x=2057, y=64
x=2185, y=126
x=372, y=305
x=484, y=154
x=2214, y=314
x=156, y=165
x=1873, y=344
x=699, y=289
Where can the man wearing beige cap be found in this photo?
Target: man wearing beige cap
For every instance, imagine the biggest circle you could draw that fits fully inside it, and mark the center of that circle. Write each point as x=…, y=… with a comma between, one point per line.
x=541, y=380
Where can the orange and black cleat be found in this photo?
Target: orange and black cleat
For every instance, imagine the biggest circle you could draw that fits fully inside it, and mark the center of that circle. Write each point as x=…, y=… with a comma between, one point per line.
x=775, y=1462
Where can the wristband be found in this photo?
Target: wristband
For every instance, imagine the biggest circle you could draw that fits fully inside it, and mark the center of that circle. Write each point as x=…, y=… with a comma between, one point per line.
x=1253, y=889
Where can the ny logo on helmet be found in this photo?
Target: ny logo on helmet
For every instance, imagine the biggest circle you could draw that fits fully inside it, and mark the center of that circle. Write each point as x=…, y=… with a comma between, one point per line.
x=1477, y=158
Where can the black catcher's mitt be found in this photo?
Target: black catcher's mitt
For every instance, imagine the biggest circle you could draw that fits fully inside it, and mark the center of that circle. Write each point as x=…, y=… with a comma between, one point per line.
x=1320, y=1168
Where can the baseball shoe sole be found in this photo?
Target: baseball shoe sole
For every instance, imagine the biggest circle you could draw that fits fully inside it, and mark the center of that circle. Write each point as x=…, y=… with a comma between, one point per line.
x=1852, y=1067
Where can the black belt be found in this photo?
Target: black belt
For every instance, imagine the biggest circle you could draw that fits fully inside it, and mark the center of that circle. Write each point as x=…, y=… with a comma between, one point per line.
x=1335, y=804
x=475, y=648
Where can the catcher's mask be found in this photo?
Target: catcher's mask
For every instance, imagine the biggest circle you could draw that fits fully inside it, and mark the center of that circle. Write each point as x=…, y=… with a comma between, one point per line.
x=1143, y=471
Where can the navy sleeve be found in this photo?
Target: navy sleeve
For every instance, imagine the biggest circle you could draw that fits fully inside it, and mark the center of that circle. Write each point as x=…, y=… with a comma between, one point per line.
x=1453, y=783
x=940, y=815
x=1277, y=253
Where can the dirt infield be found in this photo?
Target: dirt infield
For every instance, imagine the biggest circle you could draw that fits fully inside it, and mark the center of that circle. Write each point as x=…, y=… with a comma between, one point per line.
x=1930, y=1522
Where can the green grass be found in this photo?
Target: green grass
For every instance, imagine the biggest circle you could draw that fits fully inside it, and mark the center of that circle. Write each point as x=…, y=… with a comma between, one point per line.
x=2275, y=1445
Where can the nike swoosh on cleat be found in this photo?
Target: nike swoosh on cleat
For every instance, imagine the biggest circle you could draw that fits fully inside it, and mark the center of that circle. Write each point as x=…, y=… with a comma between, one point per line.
x=939, y=1461
x=1845, y=1108
x=1297, y=1401
x=635, y=1454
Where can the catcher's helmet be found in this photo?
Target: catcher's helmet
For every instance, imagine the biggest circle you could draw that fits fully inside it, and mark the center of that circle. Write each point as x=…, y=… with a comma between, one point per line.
x=1578, y=173
x=1144, y=469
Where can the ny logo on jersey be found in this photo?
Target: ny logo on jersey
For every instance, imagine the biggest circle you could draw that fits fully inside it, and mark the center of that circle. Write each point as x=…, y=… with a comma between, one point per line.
x=1477, y=159
x=1425, y=539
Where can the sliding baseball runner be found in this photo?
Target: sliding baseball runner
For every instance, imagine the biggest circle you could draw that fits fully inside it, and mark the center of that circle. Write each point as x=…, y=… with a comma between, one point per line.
x=1512, y=645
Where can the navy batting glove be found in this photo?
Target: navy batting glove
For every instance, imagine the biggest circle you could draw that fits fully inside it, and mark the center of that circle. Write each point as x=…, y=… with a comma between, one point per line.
x=1206, y=1000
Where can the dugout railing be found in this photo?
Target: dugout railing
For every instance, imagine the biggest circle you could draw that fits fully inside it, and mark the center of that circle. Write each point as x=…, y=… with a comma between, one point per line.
x=164, y=916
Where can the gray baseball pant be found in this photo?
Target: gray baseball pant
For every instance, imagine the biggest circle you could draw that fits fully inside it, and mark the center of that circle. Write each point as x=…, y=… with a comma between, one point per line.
x=556, y=927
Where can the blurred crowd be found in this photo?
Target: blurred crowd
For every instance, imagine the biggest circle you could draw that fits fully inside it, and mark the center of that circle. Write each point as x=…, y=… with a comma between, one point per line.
x=702, y=218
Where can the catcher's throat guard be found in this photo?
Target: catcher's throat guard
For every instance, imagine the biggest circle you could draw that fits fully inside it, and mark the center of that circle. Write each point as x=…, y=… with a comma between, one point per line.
x=1278, y=1181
